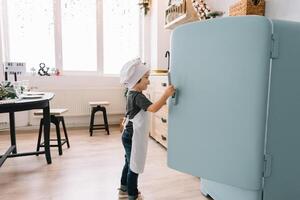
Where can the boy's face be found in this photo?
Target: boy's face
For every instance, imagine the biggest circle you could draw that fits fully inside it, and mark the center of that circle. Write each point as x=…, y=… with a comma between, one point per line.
x=143, y=84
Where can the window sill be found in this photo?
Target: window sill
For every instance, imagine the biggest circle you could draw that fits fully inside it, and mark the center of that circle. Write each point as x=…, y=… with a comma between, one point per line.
x=70, y=74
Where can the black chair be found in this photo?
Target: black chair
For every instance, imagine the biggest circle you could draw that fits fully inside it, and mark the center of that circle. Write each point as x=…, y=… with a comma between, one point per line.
x=98, y=106
x=55, y=118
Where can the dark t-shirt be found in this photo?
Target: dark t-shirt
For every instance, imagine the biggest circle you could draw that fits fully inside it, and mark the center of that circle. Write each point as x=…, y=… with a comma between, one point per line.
x=135, y=102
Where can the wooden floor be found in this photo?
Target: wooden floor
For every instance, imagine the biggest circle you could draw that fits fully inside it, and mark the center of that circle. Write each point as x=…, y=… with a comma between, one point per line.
x=89, y=170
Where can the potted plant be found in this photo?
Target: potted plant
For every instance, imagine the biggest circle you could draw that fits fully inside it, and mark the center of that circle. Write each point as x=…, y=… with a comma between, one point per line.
x=7, y=91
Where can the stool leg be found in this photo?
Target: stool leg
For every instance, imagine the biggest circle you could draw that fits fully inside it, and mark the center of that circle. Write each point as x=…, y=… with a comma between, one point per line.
x=65, y=131
x=40, y=136
x=105, y=120
x=92, y=121
x=56, y=122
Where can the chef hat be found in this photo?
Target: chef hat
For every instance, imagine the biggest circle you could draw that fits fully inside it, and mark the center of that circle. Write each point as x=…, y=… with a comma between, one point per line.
x=132, y=72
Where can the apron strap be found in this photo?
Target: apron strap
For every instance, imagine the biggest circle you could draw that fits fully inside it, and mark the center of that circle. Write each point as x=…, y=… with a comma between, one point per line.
x=126, y=122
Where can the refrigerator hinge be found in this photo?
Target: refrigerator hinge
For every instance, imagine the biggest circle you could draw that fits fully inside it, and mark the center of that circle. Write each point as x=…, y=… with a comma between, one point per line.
x=267, y=165
x=275, y=46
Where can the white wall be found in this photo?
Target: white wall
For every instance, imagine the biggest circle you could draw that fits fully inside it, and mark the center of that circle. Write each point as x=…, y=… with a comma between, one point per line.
x=159, y=37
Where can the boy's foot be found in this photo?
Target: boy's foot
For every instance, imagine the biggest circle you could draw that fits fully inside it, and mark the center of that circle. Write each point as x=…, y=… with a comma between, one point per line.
x=139, y=197
x=122, y=194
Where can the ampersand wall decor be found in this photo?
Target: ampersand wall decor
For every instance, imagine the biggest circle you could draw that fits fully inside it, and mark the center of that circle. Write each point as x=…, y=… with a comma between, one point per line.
x=43, y=71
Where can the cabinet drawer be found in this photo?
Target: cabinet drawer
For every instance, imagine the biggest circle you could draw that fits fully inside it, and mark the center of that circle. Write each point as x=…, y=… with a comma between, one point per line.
x=160, y=124
x=159, y=83
x=161, y=137
x=162, y=113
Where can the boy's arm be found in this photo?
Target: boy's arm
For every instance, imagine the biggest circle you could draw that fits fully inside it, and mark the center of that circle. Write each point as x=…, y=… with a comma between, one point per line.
x=158, y=104
x=163, y=99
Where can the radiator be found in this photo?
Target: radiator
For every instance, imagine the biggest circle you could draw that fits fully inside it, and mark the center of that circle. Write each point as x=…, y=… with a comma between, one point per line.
x=77, y=100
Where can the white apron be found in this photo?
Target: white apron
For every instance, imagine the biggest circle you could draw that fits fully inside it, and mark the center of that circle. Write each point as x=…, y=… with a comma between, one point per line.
x=139, y=146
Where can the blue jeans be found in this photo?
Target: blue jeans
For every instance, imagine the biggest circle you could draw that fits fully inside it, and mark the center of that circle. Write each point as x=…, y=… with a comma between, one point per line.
x=129, y=178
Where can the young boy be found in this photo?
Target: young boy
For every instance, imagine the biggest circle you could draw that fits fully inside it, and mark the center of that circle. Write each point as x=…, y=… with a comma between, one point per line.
x=134, y=75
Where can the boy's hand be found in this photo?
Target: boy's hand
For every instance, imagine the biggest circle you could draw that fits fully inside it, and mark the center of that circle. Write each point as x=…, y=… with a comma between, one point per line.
x=170, y=91
x=162, y=100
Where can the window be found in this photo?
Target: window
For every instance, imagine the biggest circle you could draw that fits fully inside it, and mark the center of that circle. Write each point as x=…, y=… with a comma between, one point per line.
x=79, y=42
x=96, y=36
x=121, y=33
x=30, y=32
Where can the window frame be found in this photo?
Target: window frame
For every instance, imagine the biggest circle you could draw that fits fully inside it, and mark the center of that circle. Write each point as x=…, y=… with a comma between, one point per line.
x=58, y=40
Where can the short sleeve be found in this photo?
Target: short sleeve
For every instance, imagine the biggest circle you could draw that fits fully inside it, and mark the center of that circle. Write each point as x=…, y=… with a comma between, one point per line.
x=142, y=101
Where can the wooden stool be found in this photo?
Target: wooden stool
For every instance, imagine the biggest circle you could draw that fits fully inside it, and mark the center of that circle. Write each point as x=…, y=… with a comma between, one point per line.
x=55, y=118
x=98, y=106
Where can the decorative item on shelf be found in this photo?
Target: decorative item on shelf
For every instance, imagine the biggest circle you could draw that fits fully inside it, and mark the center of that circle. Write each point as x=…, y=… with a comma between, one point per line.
x=144, y=5
x=204, y=11
x=215, y=14
x=33, y=71
x=183, y=11
x=43, y=71
x=201, y=8
x=57, y=72
x=52, y=71
x=248, y=7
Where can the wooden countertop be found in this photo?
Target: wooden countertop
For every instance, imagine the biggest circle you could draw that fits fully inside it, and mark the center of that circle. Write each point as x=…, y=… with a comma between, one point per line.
x=159, y=72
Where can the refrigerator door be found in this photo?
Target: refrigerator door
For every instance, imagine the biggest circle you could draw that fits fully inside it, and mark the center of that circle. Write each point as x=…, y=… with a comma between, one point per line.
x=283, y=144
x=216, y=127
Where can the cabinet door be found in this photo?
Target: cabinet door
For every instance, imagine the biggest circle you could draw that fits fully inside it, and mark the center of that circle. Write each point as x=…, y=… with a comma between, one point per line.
x=216, y=129
x=160, y=118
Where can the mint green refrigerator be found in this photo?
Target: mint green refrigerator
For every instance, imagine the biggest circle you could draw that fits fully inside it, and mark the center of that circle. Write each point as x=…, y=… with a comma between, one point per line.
x=235, y=118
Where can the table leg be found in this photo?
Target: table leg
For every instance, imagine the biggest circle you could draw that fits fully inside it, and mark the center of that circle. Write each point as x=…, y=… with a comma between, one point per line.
x=46, y=116
x=12, y=131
